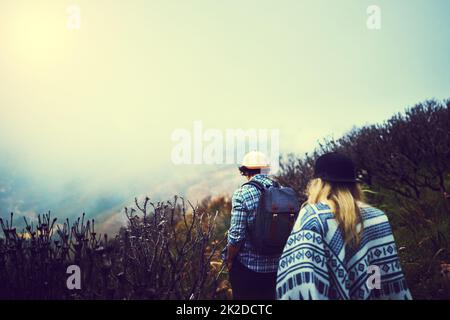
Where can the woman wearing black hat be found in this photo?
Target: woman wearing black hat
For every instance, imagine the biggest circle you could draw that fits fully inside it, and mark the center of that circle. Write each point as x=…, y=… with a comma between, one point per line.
x=339, y=248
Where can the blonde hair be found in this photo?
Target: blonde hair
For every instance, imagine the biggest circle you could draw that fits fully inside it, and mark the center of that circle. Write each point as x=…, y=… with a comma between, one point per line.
x=343, y=200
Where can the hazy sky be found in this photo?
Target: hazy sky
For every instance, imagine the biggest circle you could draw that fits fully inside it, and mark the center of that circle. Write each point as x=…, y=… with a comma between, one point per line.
x=94, y=108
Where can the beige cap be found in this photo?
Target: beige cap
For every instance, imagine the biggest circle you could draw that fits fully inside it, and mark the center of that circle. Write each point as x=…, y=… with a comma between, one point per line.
x=255, y=160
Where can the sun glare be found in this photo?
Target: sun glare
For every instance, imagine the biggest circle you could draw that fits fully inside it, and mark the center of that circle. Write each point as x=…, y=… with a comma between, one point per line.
x=34, y=35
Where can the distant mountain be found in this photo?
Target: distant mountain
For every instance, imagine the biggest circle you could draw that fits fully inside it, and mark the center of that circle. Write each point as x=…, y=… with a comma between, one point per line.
x=195, y=188
x=28, y=197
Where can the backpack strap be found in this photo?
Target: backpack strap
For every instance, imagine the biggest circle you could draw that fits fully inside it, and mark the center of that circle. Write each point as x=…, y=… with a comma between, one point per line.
x=258, y=185
x=261, y=187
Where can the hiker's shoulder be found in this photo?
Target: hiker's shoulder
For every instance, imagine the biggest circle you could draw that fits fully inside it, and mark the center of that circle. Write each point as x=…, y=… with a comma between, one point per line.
x=243, y=191
x=264, y=180
x=368, y=212
x=313, y=216
x=319, y=209
x=257, y=182
x=251, y=188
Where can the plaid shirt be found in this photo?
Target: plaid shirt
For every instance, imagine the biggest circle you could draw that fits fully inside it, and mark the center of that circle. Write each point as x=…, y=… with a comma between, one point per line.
x=243, y=213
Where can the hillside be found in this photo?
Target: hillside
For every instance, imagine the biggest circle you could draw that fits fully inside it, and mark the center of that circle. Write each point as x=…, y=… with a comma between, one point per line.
x=171, y=249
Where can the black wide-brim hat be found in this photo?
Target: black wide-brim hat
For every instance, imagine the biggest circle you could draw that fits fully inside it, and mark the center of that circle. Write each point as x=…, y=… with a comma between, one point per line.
x=335, y=167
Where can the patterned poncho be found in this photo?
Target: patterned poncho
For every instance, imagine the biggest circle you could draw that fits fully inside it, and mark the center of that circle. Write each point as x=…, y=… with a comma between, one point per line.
x=317, y=264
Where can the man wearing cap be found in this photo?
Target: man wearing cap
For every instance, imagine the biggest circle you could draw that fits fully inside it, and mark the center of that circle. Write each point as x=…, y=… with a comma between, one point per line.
x=252, y=276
